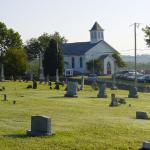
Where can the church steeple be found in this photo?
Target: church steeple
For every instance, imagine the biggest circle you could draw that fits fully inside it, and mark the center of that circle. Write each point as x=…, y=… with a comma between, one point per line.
x=96, y=33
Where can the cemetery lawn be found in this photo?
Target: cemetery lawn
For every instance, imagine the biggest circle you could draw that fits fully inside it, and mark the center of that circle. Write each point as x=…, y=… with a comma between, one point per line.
x=83, y=123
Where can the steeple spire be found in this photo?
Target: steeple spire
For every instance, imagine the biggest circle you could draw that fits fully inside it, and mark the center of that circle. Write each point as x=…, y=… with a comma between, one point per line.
x=96, y=33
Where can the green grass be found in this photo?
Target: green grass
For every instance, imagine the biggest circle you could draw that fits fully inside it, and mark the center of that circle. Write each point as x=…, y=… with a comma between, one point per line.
x=83, y=123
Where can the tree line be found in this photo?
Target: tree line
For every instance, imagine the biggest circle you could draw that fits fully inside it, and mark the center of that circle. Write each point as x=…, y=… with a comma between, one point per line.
x=18, y=57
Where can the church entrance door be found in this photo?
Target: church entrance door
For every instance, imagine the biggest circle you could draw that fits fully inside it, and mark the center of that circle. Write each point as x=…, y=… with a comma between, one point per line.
x=108, y=68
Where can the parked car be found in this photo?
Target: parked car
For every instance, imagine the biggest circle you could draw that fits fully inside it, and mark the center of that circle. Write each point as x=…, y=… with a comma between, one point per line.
x=144, y=78
x=92, y=77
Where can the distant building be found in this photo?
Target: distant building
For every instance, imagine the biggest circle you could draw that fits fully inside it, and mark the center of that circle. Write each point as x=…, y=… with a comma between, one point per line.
x=76, y=55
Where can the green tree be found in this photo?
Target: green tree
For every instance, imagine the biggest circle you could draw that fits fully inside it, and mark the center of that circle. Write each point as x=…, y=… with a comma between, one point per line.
x=53, y=59
x=120, y=63
x=34, y=45
x=146, y=30
x=96, y=64
x=9, y=39
x=15, y=62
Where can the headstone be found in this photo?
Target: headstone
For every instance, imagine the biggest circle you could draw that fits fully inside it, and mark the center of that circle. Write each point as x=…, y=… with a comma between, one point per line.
x=141, y=115
x=40, y=126
x=102, y=91
x=3, y=88
x=63, y=83
x=57, y=86
x=5, y=97
x=50, y=83
x=72, y=88
x=121, y=100
x=2, y=77
x=114, y=101
x=29, y=86
x=114, y=87
x=82, y=83
x=34, y=84
x=133, y=93
x=146, y=146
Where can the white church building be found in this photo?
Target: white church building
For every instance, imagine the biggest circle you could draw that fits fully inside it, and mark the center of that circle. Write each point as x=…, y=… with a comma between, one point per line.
x=76, y=55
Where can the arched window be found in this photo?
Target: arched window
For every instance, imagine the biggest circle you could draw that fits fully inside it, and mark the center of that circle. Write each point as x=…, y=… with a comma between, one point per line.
x=73, y=62
x=81, y=62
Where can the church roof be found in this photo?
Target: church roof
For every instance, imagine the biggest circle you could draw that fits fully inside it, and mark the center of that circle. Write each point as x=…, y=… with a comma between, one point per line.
x=97, y=27
x=78, y=48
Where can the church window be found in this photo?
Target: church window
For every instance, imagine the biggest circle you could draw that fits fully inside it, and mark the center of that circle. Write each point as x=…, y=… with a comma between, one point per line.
x=94, y=35
x=81, y=62
x=73, y=62
x=99, y=35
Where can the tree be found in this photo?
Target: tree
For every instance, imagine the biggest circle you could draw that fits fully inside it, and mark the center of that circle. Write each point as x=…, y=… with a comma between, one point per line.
x=96, y=64
x=34, y=45
x=53, y=59
x=146, y=30
x=15, y=62
x=119, y=62
x=9, y=39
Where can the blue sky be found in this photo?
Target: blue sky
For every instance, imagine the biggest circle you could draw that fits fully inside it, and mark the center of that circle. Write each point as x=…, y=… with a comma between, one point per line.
x=74, y=18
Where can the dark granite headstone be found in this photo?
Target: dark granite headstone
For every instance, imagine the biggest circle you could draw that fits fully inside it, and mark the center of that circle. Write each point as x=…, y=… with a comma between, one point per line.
x=72, y=88
x=133, y=93
x=57, y=86
x=40, y=126
x=146, y=145
x=141, y=115
x=34, y=84
x=5, y=97
x=114, y=101
x=102, y=91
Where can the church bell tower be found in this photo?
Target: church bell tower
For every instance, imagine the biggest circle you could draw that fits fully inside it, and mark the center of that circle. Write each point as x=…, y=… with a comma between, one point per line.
x=96, y=33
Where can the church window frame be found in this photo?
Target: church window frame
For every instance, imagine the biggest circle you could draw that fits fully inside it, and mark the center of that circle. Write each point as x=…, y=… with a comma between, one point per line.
x=73, y=62
x=81, y=62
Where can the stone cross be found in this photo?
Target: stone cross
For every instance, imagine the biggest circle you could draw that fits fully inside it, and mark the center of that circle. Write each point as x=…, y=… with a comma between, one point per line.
x=40, y=126
x=102, y=91
x=72, y=88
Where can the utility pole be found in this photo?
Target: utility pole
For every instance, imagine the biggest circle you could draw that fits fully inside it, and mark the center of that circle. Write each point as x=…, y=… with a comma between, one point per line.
x=135, y=46
x=135, y=52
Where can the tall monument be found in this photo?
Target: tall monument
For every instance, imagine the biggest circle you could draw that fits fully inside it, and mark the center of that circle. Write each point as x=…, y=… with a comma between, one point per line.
x=41, y=77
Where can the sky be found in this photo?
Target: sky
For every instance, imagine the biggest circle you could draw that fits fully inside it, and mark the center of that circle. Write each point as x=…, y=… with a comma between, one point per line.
x=74, y=18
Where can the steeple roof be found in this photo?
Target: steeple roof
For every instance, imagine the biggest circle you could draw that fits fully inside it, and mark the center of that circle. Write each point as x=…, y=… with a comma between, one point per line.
x=96, y=27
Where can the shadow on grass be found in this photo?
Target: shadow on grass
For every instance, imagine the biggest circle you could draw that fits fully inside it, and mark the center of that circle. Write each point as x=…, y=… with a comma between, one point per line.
x=16, y=136
x=55, y=97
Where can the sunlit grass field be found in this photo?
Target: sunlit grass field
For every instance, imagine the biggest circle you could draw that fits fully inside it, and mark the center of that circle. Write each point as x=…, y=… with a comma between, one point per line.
x=83, y=123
